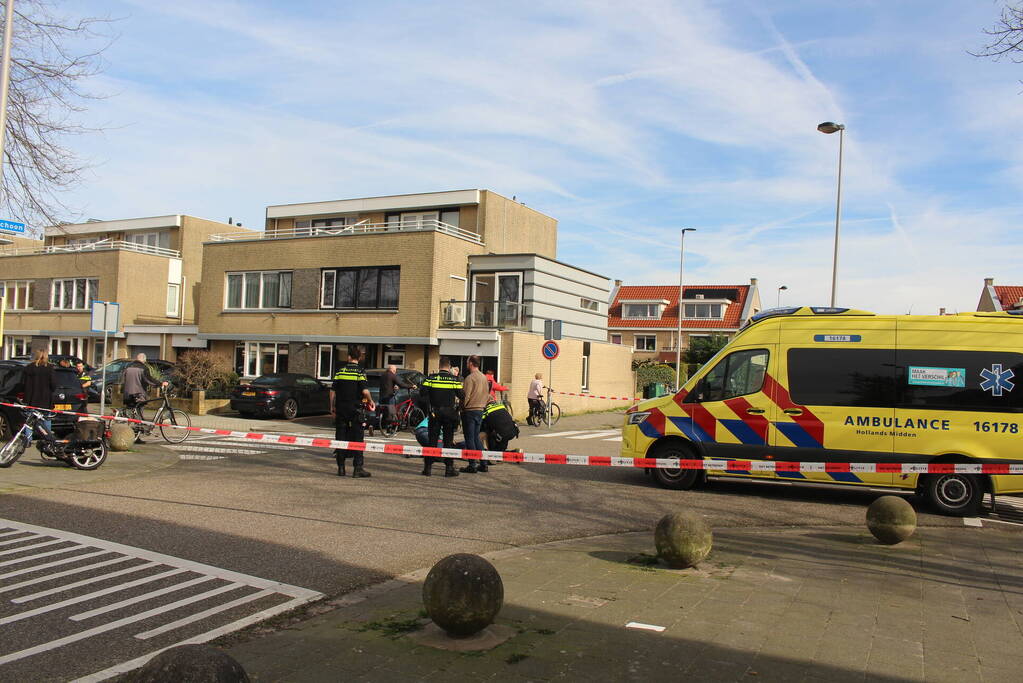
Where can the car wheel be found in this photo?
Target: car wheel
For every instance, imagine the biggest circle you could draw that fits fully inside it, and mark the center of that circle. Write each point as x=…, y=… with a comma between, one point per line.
x=676, y=478
x=958, y=495
x=290, y=409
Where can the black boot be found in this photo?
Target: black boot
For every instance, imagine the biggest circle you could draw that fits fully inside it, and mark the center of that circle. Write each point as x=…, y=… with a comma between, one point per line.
x=427, y=466
x=449, y=469
x=470, y=468
x=340, y=468
x=359, y=473
x=484, y=466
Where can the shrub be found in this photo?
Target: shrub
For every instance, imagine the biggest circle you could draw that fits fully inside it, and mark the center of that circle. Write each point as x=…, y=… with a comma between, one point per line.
x=204, y=370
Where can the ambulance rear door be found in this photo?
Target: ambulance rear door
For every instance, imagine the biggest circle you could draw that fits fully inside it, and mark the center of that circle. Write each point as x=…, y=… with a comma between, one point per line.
x=835, y=392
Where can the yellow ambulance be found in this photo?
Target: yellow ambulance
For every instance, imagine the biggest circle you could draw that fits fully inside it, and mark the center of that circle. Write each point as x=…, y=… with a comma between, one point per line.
x=836, y=385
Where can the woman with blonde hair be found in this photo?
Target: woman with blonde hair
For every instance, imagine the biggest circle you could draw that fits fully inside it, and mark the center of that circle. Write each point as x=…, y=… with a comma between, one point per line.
x=40, y=383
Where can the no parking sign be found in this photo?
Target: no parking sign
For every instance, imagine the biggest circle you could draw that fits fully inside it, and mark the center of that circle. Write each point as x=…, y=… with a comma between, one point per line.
x=550, y=350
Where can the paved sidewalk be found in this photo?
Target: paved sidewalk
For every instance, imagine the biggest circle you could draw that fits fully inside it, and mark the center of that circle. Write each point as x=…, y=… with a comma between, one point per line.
x=811, y=604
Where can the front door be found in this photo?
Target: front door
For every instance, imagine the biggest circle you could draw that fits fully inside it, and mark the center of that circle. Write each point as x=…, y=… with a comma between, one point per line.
x=729, y=412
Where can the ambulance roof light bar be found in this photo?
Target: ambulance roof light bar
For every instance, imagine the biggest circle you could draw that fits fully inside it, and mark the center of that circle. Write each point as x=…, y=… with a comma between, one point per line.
x=803, y=310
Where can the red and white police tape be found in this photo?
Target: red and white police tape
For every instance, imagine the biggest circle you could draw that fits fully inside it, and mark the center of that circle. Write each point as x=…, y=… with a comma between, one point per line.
x=610, y=398
x=737, y=466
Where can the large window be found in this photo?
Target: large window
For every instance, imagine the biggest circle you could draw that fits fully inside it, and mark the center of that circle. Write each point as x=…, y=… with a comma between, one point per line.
x=646, y=342
x=260, y=358
x=156, y=239
x=74, y=294
x=17, y=346
x=737, y=374
x=259, y=289
x=173, y=292
x=960, y=380
x=703, y=310
x=18, y=294
x=641, y=311
x=842, y=377
x=360, y=288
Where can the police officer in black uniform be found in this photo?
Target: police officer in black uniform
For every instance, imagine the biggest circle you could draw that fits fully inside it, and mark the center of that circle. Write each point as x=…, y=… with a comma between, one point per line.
x=443, y=393
x=499, y=427
x=346, y=394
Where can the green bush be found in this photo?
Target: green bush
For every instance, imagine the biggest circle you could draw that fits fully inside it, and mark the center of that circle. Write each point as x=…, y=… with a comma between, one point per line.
x=648, y=373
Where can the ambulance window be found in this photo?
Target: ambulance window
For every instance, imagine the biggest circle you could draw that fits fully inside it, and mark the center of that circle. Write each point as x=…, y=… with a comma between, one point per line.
x=988, y=381
x=737, y=374
x=842, y=377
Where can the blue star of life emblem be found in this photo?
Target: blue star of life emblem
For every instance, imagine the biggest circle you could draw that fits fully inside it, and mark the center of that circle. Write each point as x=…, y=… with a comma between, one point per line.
x=996, y=380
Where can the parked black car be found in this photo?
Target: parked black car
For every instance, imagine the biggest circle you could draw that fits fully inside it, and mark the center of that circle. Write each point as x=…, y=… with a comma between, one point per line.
x=69, y=395
x=115, y=375
x=285, y=393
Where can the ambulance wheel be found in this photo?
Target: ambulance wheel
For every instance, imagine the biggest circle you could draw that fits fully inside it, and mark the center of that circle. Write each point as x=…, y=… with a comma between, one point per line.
x=958, y=495
x=675, y=478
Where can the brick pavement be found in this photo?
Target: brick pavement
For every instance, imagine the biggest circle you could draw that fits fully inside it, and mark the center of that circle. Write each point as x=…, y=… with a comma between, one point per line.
x=809, y=604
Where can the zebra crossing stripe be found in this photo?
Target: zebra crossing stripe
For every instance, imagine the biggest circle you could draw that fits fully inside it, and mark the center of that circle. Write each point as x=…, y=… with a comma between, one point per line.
x=596, y=435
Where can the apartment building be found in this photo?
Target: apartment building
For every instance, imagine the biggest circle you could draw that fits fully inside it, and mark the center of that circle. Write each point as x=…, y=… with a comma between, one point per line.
x=408, y=278
x=645, y=318
x=150, y=266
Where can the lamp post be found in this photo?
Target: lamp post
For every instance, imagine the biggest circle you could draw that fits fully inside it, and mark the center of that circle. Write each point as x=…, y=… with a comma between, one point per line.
x=780, y=290
x=678, y=339
x=828, y=128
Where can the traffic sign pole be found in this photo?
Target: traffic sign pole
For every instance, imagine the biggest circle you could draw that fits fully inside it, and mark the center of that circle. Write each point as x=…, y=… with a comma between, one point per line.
x=550, y=350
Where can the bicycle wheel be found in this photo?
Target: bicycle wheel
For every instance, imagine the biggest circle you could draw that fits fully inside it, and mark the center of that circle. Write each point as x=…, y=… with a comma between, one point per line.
x=178, y=433
x=555, y=413
x=390, y=427
x=12, y=450
x=415, y=416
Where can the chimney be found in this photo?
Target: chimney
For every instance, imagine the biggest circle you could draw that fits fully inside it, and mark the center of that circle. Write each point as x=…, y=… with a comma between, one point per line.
x=989, y=281
x=618, y=283
x=230, y=220
x=753, y=281
x=941, y=311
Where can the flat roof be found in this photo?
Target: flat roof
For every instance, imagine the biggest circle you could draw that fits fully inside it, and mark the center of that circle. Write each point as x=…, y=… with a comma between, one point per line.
x=420, y=200
x=552, y=260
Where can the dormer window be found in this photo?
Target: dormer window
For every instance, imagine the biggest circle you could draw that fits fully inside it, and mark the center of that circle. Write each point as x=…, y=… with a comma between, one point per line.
x=643, y=310
x=699, y=310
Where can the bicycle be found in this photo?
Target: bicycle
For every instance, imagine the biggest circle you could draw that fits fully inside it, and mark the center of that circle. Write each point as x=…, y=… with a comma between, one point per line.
x=174, y=424
x=540, y=412
x=86, y=450
x=407, y=418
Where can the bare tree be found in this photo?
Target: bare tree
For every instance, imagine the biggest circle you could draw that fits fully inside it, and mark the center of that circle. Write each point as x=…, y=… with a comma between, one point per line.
x=52, y=59
x=1006, y=35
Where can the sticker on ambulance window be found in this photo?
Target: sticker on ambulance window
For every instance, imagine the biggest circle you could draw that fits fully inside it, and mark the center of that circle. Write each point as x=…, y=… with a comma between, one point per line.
x=837, y=338
x=937, y=377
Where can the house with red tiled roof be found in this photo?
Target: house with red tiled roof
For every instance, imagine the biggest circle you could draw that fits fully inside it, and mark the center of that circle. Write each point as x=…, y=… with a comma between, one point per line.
x=646, y=316
x=1000, y=297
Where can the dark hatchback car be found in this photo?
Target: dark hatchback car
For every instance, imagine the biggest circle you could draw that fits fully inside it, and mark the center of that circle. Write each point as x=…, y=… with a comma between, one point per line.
x=69, y=395
x=286, y=394
x=115, y=375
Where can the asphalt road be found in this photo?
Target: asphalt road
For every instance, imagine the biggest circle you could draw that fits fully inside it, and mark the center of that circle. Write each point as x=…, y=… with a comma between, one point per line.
x=280, y=514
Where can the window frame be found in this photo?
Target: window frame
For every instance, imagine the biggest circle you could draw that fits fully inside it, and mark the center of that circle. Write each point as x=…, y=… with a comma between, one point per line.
x=614, y=337
x=636, y=339
x=90, y=293
x=696, y=395
x=710, y=304
x=283, y=294
x=23, y=290
x=585, y=304
x=360, y=272
x=654, y=307
x=173, y=299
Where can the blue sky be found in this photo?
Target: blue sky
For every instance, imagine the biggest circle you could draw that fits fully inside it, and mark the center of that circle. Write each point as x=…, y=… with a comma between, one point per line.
x=625, y=121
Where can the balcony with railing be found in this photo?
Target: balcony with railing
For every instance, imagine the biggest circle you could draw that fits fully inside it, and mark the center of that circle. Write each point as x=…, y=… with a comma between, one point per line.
x=361, y=228
x=101, y=245
x=500, y=315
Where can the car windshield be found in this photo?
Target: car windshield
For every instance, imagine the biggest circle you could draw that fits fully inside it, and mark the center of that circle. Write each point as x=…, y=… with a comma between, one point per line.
x=116, y=365
x=268, y=381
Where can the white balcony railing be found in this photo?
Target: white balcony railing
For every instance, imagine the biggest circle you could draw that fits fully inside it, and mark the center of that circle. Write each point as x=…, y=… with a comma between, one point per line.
x=102, y=245
x=356, y=229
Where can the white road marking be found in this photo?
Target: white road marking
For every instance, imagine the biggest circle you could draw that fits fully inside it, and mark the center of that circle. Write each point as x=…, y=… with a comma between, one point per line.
x=84, y=582
x=30, y=537
x=210, y=449
x=202, y=615
x=189, y=456
x=553, y=434
x=255, y=589
x=14, y=533
x=615, y=438
x=31, y=547
x=113, y=607
x=972, y=521
x=69, y=572
x=88, y=596
x=596, y=435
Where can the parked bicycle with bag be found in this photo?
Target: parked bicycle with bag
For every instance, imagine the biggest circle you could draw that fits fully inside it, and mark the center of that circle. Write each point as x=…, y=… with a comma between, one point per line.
x=86, y=449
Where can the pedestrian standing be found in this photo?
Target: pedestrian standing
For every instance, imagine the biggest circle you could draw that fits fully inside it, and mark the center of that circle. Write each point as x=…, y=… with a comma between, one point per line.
x=443, y=395
x=40, y=381
x=347, y=393
x=477, y=393
x=534, y=395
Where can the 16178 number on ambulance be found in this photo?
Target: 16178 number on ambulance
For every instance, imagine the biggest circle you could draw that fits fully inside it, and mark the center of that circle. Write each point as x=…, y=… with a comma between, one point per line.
x=836, y=385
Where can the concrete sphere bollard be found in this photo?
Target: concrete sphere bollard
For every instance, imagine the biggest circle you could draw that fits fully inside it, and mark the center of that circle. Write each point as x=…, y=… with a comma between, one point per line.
x=462, y=594
x=891, y=519
x=122, y=437
x=192, y=664
x=683, y=539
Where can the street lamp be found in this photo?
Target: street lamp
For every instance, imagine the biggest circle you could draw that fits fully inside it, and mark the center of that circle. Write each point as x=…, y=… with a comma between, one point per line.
x=678, y=339
x=780, y=290
x=829, y=127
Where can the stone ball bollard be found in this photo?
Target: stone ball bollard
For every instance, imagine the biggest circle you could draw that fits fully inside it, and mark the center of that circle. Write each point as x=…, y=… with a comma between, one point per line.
x=192, y=664
x=683, y=539
x=891, y=519
x=122, y=437
x=462, y=594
